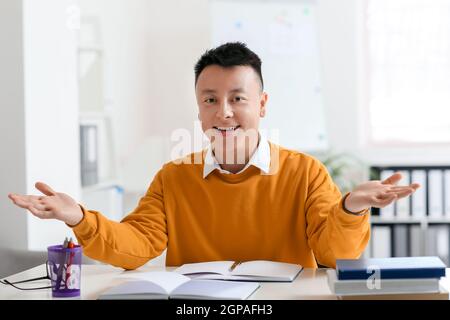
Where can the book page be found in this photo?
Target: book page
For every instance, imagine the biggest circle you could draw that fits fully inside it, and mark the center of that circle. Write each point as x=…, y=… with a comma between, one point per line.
x=166, y=280
x=264, y=268
x=210, y=289
x=219, y=267
x=134, y=289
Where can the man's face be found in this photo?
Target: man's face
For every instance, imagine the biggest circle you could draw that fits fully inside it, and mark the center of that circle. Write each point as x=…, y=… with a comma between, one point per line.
x=230, y=102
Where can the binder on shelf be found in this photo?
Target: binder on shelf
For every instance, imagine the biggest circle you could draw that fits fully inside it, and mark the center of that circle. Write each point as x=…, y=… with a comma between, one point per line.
x=442, y=245
x=381, y=247
x=417, y=241
x=105, y=198
x=402, y=205
x=419, y=197
x=447, y=193
x=426, y=226
x=88, y=155
x=386, y=212
x=435, y=194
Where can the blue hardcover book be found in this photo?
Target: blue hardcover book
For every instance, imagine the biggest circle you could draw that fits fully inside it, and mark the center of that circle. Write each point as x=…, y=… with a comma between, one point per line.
x=390, y=268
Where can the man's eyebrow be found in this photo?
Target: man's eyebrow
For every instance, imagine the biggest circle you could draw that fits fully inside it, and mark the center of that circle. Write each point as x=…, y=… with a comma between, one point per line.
x=208, y=91
x=214, y=91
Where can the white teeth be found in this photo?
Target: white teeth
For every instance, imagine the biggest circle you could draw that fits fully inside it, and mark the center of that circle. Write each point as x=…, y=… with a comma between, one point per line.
x=226, y=128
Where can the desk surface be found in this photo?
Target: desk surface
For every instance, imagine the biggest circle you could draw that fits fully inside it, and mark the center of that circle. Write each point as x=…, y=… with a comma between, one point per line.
x=311, y=284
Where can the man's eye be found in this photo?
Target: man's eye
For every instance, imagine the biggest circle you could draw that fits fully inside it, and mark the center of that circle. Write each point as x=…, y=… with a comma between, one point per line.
x=210, y=100
x=239, y=99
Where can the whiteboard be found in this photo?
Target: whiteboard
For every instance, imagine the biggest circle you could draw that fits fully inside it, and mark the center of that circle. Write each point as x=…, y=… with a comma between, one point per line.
x=284, y=35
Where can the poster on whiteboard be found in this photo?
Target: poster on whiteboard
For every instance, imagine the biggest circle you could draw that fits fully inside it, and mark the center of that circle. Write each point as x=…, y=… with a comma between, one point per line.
x=284, y=35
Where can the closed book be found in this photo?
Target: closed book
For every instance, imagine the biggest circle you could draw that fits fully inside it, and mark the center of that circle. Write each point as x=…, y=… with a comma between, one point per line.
x=383, y=286
x=171, y=285
x=441, y=295
x=390, y=268
x=256, y=270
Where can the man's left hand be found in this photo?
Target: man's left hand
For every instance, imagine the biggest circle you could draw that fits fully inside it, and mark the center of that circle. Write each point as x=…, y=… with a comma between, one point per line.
x=378, y=194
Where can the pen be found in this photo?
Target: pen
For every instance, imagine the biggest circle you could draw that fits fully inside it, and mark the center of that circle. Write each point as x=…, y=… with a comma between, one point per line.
x=61, y=265
x=70, y=245
x=234, y=265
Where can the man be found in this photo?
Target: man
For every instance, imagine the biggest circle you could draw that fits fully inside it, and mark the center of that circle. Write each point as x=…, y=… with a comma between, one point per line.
x=245, y=199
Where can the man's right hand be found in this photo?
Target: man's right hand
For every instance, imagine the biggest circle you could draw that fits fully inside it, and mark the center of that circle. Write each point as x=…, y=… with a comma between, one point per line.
x=54, y=205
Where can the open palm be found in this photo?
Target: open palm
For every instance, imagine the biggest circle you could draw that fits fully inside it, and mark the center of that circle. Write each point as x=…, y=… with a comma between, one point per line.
x=54, y=205
x=378, y=194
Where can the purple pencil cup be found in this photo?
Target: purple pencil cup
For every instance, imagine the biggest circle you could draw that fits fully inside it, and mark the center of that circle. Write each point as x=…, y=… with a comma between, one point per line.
x=65, y=270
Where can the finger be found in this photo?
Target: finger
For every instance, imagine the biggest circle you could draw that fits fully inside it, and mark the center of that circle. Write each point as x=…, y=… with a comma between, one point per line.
x=381, y=203
x=45, y=189
x=401, y=190
x=384, y=196
x=37, y=203
x=14, y=196
x=41, y=214
x=21, y=201
x=25, y=201
x=414, y=186
x=395, y=178
x=402, y=194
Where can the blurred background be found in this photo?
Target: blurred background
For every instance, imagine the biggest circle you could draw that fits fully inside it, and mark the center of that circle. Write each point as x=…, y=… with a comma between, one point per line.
x=94, y=94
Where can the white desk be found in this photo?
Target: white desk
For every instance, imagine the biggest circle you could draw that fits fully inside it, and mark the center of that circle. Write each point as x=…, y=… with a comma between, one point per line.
x=311, y=284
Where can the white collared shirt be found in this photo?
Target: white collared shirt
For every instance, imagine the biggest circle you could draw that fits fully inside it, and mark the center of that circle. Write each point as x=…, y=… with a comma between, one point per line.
x=259, y=159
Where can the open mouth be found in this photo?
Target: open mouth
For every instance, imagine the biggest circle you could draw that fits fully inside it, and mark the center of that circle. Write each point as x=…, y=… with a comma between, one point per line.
x=225, y=130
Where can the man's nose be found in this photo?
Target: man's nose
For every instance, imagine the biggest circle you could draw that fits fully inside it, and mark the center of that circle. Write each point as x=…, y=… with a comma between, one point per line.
x=225, y=111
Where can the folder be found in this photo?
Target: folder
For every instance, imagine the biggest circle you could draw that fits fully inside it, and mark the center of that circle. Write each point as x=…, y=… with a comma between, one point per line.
x=381, y=242
x=447, y=194
x=442, y=245
x=435, y=188
x=419, y=197
x=88, y=155
x=417, y=241
x=388, y=211
x=402, y=205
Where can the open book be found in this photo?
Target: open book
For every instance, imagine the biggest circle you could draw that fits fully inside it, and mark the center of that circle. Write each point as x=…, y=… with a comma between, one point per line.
x=171, y=285
x=257, y=270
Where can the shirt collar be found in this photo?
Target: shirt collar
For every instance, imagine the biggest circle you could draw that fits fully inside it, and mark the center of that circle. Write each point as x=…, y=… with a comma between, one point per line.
x=259, y=159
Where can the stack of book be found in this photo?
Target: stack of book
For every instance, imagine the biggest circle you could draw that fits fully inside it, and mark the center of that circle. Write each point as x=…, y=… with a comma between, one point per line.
x=389, y=279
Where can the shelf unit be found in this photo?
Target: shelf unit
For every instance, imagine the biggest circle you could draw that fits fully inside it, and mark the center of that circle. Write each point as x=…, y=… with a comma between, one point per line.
x=426, y=223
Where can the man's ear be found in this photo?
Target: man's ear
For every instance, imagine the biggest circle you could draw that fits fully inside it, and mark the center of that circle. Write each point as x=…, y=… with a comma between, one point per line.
x=263, y=102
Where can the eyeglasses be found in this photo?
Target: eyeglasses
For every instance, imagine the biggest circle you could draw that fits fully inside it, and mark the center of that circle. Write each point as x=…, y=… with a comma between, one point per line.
x=14, y=284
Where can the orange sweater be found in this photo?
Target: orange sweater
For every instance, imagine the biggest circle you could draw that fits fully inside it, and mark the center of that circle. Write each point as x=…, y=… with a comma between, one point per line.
x=293, y=215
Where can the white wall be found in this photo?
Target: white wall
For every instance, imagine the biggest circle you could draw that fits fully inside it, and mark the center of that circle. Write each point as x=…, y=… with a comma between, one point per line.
x=150, y=48
x=342, y=40
x=13, y=224
x=51, y=95
x=39, y=115
x=337, y=38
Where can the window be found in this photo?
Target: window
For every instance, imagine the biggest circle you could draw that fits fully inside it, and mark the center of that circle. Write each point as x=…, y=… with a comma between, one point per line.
x=408, y=64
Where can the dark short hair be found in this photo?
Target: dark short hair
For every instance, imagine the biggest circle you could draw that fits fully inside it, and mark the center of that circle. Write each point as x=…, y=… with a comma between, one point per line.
x=228, y=55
